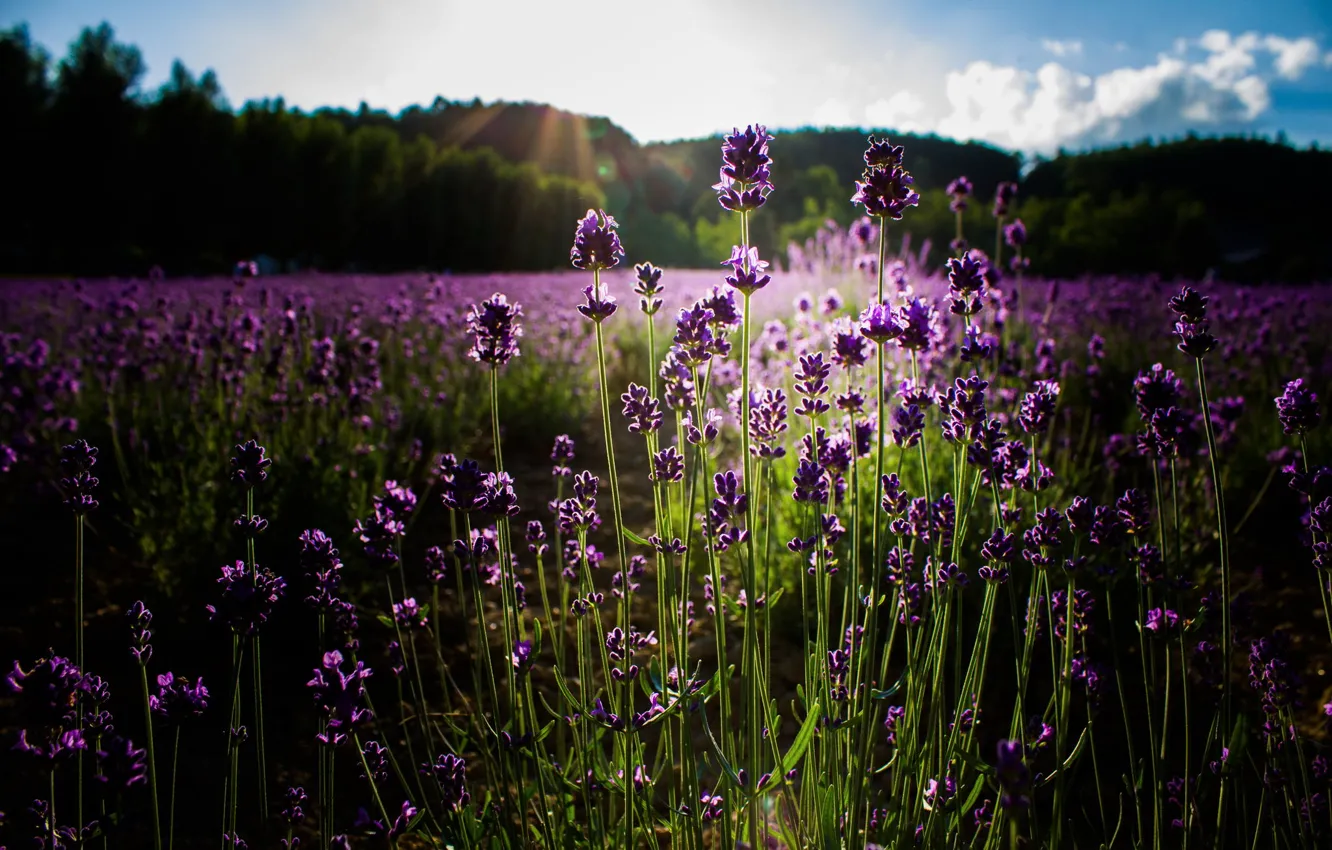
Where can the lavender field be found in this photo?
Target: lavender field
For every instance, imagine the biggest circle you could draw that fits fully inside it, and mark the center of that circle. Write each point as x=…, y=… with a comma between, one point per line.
x=851, y=548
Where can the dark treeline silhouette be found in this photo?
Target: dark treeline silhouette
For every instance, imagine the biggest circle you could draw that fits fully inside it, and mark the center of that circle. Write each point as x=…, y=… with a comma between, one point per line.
x=105, y=178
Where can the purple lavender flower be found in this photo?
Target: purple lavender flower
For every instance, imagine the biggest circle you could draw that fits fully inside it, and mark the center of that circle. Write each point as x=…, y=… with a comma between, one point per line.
x=878, y=324
x=249, y=467
x=521, y=657
x=596, y=244
x=884, y=189
x=1156, y=389
x=1270, y=675
x=79, y=485
x=1038, y=407
x=1191, y=329
x=668, y=466
x=811, y=483
x=745, y=179
x=647, y=285
x=410, y=614
x=908, y=425
x=767, y=422
x=1004, y=195
x=248, y=598
x=811, y=381
x=562, y=453
x=918, y=322
x=323, y=567
x=176, y=700
x=463, y=486
x=379, y=534
x=498, y=495
x=642, y=410
x=677, y=383
x=695, y=343
x=295, y=798
x=958, y=192
x=495, y=330
x=1297, y=408
x=849, y=348
x=338, y=696
x=966, y=282
x=747, y=270
x=1014, y=776
x=140, y=619
x=1015, y=234
x=122, y=766
x=450, y=772
x=1160, y=621
x=599, y=304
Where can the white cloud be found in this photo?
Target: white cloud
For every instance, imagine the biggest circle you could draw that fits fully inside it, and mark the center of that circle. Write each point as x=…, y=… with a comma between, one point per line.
x=1227, y=86
x=902, y=111
x=1293, y=56
x=1071, y=47
x=833, y=112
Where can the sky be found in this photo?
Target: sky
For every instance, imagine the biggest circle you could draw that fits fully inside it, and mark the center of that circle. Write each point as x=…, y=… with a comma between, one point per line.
x=1028, y=75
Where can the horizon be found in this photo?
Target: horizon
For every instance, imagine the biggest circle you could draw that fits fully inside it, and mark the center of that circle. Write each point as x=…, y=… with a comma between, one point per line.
x=1081, y=82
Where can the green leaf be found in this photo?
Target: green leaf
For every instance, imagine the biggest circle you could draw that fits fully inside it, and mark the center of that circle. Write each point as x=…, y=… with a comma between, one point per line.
x=568, y=694
x=545, y=731
x=878, y=694
x=791, y=759
x=536, y=638
x=634, y=538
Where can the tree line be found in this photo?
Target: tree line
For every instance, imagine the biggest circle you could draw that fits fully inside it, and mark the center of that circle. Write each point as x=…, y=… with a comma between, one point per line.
x=107, y=178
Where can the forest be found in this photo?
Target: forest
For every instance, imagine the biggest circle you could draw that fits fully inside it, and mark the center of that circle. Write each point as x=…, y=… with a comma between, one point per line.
x=107, y=177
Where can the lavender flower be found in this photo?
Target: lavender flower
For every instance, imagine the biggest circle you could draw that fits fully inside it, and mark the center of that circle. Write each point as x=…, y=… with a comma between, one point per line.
x=849, y=349
x=410, y=614
x=878, y=324
x=966, y=282
x=562, y=453
x=338, y=696
x=1014, y=776
x=884, y=189
x=767, y=422
x=1297, y=408
x=1004, y=195
x=958, y=192
x=918, y=322
x=1015, y=234
x=248, y=598
x=140, y=619
x=176, y=700
x=668, y=466
x=1191, y=329
x=647, y=285
x=745, y=179
x=642, y=411
x=122, y=766
x=495, y=330
x=249, y=467
x=599, y=304
x=747, y=270
x=596, y=244
x=79, y=485
x=450, y=772
x=521, y=657
x=323, y=567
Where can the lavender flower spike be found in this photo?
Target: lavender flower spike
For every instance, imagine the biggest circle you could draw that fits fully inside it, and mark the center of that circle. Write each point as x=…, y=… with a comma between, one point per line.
x=596, y=244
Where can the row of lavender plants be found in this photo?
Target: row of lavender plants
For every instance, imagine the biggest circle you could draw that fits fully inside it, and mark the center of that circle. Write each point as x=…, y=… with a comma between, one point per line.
x=863, y=577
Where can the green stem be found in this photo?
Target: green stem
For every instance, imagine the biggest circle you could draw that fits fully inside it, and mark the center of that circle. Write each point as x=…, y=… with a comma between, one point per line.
x=152, y=758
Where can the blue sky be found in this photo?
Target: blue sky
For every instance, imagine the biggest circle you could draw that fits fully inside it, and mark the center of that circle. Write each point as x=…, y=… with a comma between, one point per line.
x=1034, y=75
